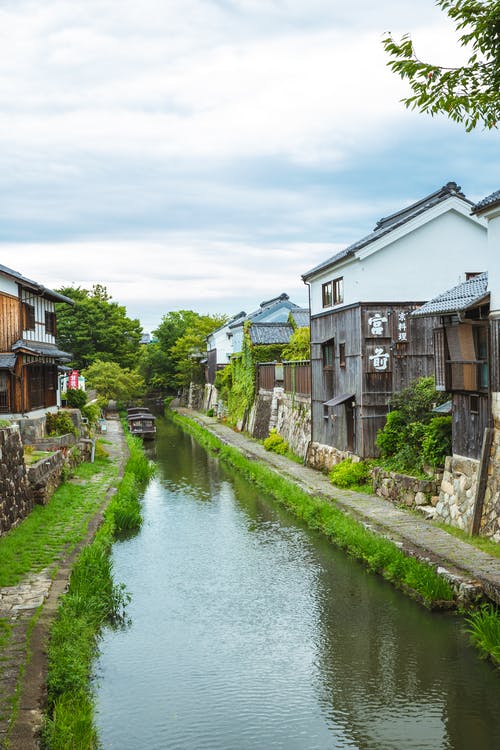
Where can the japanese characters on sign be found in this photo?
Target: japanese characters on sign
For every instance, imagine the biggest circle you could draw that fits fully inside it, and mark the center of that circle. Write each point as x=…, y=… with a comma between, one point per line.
x=379, y=358
x=402, y=333
x=73, y=380
x=377, y=324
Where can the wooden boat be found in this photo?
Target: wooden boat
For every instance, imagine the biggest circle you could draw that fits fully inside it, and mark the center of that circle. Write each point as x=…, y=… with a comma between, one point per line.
x=142, y=424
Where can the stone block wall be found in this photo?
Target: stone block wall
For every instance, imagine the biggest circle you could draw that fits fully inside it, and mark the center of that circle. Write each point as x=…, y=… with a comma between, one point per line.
x=45, y=476
x=293, y=421
x=490, y=523
x=402, y=489
x=325, y=457
x=16, y=495
x=455, y=505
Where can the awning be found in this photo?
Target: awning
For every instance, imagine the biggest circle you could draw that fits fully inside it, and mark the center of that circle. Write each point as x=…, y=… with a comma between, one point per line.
x=444, y=408
x=339, y=399
x=40, y=349
x=7, y=361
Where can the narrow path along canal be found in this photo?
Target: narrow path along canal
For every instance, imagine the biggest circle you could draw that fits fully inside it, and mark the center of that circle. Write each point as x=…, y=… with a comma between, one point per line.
x=250, y=632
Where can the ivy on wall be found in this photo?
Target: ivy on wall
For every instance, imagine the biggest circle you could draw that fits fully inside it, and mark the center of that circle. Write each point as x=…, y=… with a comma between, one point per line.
x=236, y=383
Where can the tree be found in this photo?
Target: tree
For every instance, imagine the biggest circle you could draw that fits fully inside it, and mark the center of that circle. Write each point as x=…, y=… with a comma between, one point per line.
x=96, y=328
x=469, y=94
x=114, y=382
x=174, y=360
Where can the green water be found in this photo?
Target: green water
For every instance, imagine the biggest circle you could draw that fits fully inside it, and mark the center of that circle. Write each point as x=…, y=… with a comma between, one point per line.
x=248, y=631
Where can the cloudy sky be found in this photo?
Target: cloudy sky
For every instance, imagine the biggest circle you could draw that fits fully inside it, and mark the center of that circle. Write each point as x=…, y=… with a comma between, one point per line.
x=203, y=154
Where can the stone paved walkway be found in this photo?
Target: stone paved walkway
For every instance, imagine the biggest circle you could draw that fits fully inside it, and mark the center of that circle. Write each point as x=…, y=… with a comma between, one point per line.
x=469, y=569
x=19, y=604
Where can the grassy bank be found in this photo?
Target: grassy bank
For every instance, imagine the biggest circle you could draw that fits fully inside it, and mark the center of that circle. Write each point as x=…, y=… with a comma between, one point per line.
x=380, y=555
x=93, y=600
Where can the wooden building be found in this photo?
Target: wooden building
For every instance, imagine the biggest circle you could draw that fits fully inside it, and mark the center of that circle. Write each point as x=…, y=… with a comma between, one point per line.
x=462, y=360
x=365, y=344
x=29, y=356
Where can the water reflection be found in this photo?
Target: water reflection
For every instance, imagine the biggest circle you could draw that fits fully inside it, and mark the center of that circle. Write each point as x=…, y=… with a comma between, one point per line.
x=248, y=631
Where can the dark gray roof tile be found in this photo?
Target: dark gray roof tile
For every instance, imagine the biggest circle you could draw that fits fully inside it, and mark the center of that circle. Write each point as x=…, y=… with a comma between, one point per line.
x=270, y=333
x=461, y=297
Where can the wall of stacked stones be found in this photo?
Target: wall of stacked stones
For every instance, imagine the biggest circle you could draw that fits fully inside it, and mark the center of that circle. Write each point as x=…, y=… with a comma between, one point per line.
x=490, y=523
x=287, y=413
x=16, y=495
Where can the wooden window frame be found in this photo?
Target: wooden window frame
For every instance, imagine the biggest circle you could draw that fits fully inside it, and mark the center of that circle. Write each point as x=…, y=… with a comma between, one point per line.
x=338, y=290
x=342, y=359
x=328, y=354
x=28, y=317
x=50, y=322
x=327, y=294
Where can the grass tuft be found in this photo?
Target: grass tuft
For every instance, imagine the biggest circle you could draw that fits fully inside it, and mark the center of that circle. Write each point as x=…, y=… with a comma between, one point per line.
x=483, y=626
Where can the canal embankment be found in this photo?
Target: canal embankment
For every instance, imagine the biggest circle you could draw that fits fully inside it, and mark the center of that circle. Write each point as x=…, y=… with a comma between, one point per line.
x=472, y=573
x=37, y=561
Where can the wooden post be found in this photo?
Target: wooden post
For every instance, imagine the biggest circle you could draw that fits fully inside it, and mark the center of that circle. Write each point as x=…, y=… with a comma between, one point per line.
x=482, y=479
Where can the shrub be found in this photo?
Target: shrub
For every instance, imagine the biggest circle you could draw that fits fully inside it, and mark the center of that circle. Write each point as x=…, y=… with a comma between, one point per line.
x=389, y=438
x=348, y=473
x=276, y=443
x=75, y=398
x=436, y=442
x=412, y=436
x=59, y=423
x=210, y=413
x=92, y=412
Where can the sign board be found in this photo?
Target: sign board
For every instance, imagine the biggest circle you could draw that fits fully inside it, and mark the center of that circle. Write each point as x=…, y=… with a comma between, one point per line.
x=73, y=380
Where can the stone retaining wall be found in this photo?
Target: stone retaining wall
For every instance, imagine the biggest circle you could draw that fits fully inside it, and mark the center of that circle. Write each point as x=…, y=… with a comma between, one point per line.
x=16, y=495
x=287, y=413
x=45, y=476
x=458, y=491
x=325, y=457
x=490, y=523
x=402, y=489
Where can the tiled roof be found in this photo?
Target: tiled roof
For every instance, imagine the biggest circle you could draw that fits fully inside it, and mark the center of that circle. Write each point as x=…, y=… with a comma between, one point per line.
x=394, y=221
x=270, y=333
x=300, y=317
x=35, y=285
x=7, y=361
x=265, y=307
x=490, y=200
x=41, y=349
x=461, y=297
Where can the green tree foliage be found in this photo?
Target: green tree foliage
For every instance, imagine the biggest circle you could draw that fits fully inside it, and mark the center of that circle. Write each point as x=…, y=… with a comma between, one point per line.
x=114, y=382
x=174, y=361
x=96, y=328
x=469, y=94
x=413, y=437
x=299, y=346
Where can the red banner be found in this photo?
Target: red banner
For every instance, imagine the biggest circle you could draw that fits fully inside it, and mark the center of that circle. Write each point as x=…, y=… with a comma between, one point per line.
x=73, y=380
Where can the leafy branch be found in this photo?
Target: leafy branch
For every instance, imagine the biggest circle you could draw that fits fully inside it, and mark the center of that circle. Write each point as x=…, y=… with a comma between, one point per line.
x=468, y=94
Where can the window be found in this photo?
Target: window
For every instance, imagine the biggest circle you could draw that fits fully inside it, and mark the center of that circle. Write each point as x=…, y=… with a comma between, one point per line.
x=50, y=322
x=328, y=355
x=338, y=291
x=28, y=317
x=474, y=404
x=471, y=274
x=332, y=292
x=342, y=355
x=327, y=294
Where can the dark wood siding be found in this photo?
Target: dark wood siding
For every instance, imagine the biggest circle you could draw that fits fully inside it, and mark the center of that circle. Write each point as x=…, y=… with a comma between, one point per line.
x=470, y=416
x=211, y=365
x=495, y=356
x=329, y=425
x=10, y=329
x=385, y=350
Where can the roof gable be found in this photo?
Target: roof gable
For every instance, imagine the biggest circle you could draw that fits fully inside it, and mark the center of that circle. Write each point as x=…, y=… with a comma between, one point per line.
x=448, y=197
x=35, y=286
x=267, y=309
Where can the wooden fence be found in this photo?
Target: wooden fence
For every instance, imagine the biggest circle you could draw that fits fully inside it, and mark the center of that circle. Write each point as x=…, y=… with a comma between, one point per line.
x=294, y=376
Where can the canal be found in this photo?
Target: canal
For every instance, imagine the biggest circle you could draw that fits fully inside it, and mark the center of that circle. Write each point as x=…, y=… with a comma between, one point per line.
x=250, y=632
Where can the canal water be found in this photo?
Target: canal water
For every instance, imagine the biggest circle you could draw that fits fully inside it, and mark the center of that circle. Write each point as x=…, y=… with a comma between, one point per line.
x=249, y=632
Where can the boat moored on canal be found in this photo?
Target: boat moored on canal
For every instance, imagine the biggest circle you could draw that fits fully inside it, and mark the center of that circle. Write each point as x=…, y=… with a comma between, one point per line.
x=141, y=423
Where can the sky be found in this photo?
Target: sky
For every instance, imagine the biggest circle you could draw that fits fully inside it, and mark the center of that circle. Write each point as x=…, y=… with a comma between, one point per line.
x=203, y=154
